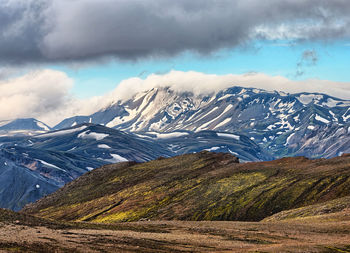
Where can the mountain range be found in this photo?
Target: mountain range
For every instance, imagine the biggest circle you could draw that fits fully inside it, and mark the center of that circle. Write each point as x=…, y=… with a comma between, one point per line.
x=35, y=165
x=252, y=124
x=283, y=124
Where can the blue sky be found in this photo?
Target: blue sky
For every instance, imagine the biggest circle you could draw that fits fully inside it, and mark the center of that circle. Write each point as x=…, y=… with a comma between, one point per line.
x=278, y=57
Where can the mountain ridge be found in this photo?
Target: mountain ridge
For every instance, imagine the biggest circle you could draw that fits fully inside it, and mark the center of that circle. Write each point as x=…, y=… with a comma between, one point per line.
x=253, y=124
x=32, y=166
x=201, y=186
x=279, y=122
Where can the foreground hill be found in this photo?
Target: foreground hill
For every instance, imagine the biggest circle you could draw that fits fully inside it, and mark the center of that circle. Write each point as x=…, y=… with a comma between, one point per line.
x=201, y=186
x=333, y=210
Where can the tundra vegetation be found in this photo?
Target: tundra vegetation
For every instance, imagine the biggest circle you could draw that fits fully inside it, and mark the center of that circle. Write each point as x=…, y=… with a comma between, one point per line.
x=195, y=202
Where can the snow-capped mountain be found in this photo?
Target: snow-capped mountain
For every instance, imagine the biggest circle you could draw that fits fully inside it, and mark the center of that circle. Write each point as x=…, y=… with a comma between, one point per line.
x=22, y=127
x=274, y=120
x=252, y=124
x=100, y=143
x=184, y=142
x=33, y=166
x=27, y=174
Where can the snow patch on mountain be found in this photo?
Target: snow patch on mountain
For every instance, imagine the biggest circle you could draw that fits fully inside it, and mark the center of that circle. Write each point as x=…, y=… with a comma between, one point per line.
x=226, y=135
x=212, y=149
x=103, y=146
x=61, y=132
x=204, y=126
x=92, y=135
x=49, y=165
x=222, y=123
x=115, y=159
x=306, y=98
x=168, y=135
x=288, y=139
x=42, y=125
x=319, y=118
x=225, y=96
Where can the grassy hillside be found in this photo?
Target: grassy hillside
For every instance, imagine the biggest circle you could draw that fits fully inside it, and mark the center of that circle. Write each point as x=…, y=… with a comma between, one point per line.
x=202, y=186
x=333, y=210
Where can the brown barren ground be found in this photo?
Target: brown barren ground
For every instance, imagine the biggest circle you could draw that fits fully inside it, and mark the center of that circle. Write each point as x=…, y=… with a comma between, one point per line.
x=109, y=209
x=180, y=236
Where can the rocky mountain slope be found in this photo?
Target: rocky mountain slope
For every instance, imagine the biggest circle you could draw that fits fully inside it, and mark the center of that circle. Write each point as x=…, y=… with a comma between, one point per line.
x=22, y=127
x=285, y=124
x=201, y=186
x=33, y=166
x=252, y=124
x=186, y=142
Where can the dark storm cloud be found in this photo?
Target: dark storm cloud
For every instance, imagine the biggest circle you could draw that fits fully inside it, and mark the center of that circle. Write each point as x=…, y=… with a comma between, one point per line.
x=64, y=30
x=21, y=29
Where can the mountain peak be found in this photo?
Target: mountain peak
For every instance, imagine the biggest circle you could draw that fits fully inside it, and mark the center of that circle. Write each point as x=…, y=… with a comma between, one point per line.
x=277, y=121
x=25, y=124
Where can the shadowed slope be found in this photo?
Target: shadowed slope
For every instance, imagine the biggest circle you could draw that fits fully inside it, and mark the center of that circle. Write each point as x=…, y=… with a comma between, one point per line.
x=202, y=186
x=333, y=210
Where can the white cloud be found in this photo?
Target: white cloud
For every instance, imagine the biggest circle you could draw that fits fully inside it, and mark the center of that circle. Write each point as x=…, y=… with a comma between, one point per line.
x=200, y=83
x=47, y=95
x=33, y=94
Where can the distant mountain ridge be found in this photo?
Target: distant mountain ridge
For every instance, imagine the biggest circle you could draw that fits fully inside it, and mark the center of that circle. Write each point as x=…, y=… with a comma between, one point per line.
x=32, y=166
x=279, y=122
x=252, y=124
x=23, y=126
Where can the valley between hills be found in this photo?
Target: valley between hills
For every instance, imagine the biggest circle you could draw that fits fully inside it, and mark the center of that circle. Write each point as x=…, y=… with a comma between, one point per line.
x=203, y=202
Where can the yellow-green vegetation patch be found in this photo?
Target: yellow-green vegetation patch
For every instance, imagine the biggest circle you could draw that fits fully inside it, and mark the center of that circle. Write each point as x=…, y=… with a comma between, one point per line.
x=316, y=212
x=202, y=186
x=120, y=216
x=236, y=183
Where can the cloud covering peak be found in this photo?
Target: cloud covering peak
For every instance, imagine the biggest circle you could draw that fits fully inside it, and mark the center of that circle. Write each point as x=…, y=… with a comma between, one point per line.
x=208, y=84
x=47, y=94
x=66, y=30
